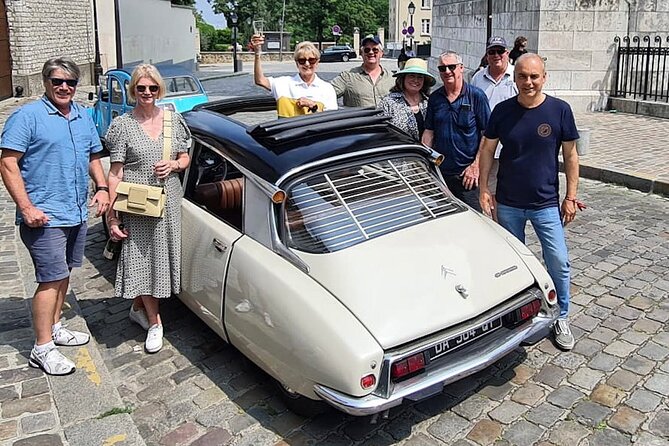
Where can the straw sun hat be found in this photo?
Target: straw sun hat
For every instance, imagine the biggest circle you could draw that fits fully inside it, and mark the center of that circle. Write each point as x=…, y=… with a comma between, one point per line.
x=416, y=65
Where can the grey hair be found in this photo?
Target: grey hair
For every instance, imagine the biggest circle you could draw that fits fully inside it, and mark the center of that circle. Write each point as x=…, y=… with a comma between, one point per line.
x=458, y=58
x=64, y=63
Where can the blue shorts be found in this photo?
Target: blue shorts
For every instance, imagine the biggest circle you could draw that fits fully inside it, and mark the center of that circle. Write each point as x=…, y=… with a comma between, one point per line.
x=54, y=251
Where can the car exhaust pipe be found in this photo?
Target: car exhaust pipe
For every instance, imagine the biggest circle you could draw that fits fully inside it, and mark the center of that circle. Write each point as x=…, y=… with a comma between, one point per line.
x=375, y=417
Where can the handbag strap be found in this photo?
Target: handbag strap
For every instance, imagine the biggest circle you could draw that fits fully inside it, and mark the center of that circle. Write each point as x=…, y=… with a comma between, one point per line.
x=167, y=134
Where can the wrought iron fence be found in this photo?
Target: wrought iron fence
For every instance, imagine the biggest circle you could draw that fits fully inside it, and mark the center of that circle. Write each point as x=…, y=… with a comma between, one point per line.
x=642, y=68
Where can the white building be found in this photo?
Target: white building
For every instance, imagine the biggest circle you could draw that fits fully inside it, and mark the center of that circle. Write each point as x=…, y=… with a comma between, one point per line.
x=400, y=18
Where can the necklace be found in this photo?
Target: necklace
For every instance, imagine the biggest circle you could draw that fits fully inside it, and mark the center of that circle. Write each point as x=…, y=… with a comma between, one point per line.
x=413, y=102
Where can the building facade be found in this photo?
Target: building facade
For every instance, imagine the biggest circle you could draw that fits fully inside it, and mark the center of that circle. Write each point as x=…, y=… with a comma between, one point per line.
x=576, y=37
x=32, y=31
x=399, y=19
x=39, y=30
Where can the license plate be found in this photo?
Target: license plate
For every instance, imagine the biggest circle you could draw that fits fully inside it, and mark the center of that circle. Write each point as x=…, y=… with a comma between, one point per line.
x=468, y=336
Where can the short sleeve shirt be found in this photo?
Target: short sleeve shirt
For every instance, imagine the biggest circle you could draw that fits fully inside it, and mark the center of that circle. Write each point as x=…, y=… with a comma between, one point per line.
x=294, y=87
x=532, y=137
x=56, y=156
x=358, y=90
x=457, y=126
x=498, y=91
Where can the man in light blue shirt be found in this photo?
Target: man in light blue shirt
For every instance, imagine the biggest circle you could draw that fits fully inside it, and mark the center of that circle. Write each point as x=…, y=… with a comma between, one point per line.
x=49, y=147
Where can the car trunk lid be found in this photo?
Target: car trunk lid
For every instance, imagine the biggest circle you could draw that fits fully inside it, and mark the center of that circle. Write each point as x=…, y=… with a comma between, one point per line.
x=424, y=278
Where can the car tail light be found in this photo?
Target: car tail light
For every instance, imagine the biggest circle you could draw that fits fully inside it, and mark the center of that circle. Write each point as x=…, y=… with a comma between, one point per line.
x=367, y=382
x=408, y=366
x=552, y=296
x=524, y=313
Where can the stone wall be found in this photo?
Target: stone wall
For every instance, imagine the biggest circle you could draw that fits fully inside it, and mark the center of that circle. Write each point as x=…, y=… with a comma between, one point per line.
x=575, y=37
x=41, y=29
x=222, y=57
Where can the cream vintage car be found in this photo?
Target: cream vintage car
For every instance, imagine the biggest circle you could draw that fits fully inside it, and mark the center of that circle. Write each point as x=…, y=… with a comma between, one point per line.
x=327, y=250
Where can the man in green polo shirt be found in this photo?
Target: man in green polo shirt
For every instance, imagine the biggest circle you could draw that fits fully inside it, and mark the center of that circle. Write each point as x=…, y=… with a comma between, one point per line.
x=364, y=86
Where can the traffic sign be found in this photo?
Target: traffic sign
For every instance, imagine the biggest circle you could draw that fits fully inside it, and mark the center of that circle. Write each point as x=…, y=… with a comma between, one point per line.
x=410, y=30
x=404, y=31
x=336, y=30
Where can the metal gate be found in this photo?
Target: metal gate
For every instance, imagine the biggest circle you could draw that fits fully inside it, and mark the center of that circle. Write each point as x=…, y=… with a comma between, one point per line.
x=5, y=60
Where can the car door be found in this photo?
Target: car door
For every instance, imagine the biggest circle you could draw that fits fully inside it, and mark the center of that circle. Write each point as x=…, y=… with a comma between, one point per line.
x=210, y=227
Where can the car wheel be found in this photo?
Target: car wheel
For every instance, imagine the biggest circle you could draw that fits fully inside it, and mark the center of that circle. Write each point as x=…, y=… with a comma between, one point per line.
x=301, y=405
x=344, y=58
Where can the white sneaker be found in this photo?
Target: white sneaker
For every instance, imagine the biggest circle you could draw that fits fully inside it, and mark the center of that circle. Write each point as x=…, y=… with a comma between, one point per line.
x=154, y=339
x=563, y=337
x=139, y=317
x=52, y=362
x=70, y=338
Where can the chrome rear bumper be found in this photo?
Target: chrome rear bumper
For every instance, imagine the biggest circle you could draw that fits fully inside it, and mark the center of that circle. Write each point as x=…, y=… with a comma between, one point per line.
x=460, y=364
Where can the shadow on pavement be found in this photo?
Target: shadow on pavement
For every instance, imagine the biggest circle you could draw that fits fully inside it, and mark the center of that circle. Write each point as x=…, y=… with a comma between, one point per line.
x=198, y=380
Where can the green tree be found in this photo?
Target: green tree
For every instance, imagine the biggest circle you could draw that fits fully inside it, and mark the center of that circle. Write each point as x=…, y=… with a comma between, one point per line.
x=183, y=2
x=307, y=19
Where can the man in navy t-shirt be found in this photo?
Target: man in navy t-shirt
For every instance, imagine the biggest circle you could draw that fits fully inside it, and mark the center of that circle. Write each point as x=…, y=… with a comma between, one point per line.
x=533, y=127
x=456, y=117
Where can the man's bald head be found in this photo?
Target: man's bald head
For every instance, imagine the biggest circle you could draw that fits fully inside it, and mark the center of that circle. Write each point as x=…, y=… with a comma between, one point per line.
x=530, y=76
x=530, y=58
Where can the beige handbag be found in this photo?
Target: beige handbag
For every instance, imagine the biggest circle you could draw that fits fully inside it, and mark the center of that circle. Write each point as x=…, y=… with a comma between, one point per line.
x=141, y=199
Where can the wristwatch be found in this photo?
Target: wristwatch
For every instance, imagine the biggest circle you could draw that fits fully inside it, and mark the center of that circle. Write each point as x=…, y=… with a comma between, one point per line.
x=99, y=188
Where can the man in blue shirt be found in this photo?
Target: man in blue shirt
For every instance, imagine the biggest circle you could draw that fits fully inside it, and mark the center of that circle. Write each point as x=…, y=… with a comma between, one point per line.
x=48, y=149
x=456, y=117
x=533, y=127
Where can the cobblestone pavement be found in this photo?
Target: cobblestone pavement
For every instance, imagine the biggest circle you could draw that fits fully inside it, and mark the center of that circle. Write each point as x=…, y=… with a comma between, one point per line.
x=610, y=390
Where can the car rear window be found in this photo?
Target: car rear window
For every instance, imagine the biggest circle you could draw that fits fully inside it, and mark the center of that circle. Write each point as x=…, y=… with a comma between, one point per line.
x=180, y=85
x=331, y=211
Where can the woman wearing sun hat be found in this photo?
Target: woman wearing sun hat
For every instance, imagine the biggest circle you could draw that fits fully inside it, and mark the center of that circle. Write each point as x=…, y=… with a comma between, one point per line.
x=407, y=102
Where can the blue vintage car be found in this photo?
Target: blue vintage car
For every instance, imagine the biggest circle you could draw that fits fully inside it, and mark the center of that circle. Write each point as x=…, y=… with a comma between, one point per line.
x=184, y=91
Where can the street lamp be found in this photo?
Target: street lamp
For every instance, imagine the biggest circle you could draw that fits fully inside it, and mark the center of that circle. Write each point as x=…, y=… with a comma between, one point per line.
x=412, y=9
x=235, y=63
x=97, y=68
x=283, y=18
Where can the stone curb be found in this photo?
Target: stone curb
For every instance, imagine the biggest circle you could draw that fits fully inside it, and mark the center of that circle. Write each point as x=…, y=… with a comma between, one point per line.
x=631, y=180
x=82, y=397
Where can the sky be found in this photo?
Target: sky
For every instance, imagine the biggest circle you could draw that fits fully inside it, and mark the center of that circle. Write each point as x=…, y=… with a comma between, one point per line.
x=217, y=20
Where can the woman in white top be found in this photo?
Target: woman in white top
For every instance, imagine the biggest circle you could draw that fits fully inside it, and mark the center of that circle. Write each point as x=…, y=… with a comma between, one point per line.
x=302, y=93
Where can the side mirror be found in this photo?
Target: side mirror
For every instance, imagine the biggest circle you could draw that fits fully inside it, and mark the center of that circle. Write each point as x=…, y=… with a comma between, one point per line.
x=104, y=96
x=91, y=96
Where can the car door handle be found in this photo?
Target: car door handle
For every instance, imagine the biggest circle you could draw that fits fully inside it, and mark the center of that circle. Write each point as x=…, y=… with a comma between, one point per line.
x=219, y=245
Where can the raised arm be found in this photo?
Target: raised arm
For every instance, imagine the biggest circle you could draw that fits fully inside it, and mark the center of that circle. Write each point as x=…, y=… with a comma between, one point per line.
x=258, y=76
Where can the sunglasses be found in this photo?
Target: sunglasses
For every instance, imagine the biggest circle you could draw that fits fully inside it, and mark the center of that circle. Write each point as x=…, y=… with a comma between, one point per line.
x=56, y=81
x=311, y=60
x=368, y=50
x=499, y=52
x=450, y=67
x=152, y=88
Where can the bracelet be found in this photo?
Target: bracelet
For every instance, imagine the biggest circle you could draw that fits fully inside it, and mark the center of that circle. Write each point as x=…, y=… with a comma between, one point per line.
x=99, y=188
x=571, y=199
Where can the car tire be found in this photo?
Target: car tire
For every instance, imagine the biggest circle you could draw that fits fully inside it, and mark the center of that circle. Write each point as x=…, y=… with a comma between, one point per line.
x=344, y=58
x=300, y=405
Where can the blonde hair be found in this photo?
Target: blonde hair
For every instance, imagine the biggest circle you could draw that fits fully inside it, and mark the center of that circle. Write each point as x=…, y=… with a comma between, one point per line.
x=306, y=49
x=142, y=71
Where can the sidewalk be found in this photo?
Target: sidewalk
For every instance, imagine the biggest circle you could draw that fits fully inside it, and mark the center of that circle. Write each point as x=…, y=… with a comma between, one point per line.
x=74, y=410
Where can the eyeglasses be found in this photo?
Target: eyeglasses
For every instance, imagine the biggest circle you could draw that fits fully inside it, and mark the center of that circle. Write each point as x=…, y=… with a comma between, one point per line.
x=152, y=88
x=450, y=67
x=311, y=60
x=499, y=51
x=56, y=81
x=368, y=50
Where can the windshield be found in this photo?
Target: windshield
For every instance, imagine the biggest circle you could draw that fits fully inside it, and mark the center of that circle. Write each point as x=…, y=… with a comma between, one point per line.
x=330, y=211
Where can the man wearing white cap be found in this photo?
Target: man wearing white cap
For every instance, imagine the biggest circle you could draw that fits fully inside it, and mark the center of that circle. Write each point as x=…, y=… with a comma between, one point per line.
x=364, y=86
